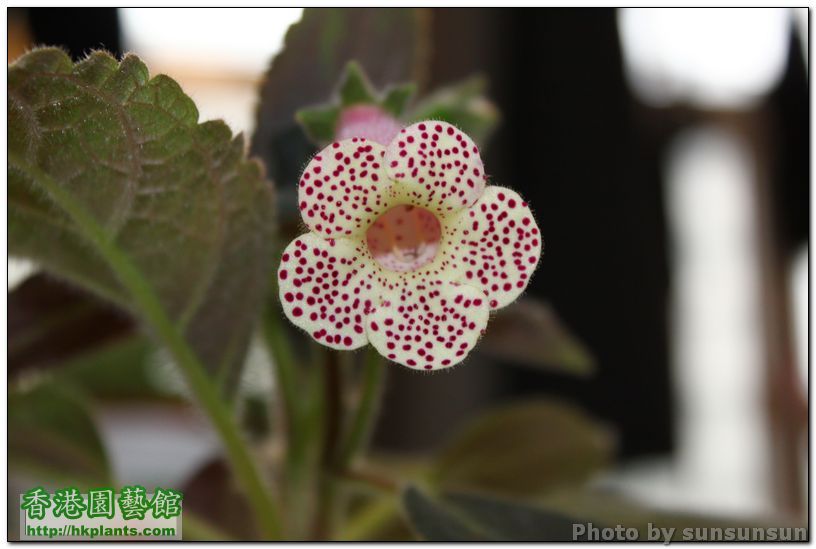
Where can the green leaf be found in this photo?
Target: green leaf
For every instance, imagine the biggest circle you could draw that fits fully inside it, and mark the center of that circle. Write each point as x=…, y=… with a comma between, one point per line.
x=530, y=333
x=319, y=123
x=53, y=439
x=469, y=517
x=116, y=370
x=389, y=42
x=177, y=197
x=524, y=449
x=355, y=87
x=434, y=522
x=463, y=105
x=397, y=97
x=509, y=521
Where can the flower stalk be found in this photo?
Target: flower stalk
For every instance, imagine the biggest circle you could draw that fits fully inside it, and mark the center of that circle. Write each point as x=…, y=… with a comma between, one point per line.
x=361, y=423
x=274, y=333
x=332, y=424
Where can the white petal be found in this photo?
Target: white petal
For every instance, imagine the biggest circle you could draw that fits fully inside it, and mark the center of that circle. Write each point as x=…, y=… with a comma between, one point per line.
x=437, y=166
x=324, y=290
x=344, y=188
x=499, y=245
x=429, y=326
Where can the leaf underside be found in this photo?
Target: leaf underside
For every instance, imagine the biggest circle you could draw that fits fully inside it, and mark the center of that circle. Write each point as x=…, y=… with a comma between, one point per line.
x=178, y=197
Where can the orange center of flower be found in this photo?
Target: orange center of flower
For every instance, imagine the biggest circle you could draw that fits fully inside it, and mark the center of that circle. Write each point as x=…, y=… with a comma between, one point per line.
x=404, y=238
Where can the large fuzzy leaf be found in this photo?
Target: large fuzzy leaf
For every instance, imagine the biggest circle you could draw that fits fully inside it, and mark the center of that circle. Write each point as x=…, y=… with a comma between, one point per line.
x=178, y=197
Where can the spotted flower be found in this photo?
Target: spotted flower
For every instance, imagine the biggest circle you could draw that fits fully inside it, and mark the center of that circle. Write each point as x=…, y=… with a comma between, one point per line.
x=408, y=247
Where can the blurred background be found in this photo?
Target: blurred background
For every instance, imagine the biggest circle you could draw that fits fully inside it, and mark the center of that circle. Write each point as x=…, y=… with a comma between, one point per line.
x=666, y=155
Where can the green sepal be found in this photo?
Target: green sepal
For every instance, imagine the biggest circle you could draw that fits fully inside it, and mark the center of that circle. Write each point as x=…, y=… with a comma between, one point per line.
x=319, y=122
x=396, y=98
x=355, y=89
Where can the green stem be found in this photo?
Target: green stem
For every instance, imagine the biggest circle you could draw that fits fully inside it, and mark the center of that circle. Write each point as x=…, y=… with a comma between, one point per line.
x=334, y=407
x=274, y=333
x=296, y=411
x=151, y=308
x=332, y=420
x=361, y=423
x=338, y=452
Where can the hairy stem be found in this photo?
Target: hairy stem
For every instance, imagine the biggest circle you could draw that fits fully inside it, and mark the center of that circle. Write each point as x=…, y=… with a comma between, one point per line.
x=148, y=304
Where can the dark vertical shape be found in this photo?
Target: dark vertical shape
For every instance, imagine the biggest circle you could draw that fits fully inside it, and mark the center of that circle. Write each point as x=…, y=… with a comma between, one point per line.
x=789, y=103
x=783, y=214
x=595, y=184
x=78, y=30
